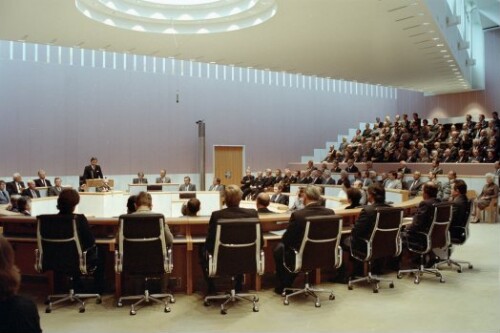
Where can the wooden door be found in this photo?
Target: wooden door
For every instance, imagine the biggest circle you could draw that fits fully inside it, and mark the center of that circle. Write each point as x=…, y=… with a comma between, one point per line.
x=228, y=164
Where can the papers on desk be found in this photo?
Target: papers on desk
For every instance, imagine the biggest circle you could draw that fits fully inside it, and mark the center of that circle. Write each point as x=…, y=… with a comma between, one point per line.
x=278, y=232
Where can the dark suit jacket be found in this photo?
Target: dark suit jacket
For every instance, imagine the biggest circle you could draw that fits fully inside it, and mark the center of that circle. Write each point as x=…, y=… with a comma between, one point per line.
x=422, y=219
x=12, y=188
x=460, y=211
x=264, y=210
x=352, y=169
x=363, y=227
x=406, y=170
x=317, y=181
x=246, y=181
x=27, y=192
x=415, y=188
x=293, y=235
x=38, y=183
x=87, y=173
x=227, y=213
x=283, y=199
x=330, y=181
x=86, y=237
x=54, y=192
x=138, y=181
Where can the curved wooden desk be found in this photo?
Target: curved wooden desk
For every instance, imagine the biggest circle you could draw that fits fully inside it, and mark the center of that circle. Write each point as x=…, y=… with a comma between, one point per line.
x=189, y=232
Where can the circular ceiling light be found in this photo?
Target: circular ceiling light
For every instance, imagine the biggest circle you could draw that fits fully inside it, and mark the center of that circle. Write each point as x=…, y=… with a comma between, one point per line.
x=179, y=16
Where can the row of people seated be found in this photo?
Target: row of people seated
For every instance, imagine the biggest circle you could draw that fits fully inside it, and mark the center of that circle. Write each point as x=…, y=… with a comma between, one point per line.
x=419, y=141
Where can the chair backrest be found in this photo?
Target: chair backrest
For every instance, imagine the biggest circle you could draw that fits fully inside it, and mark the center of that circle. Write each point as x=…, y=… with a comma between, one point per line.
x=459, y=231
x=320, y=244
x=141, y=244
x=438, y=236
x=385, y=240
x=237, y=247
x=58, y=244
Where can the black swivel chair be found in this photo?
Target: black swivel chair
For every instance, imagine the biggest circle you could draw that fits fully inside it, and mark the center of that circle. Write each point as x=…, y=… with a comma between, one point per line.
x=59, y=250
x=319, y=249
x=385, y=241
x=237, y=251
x=142, y=251
x=458, y=236
x=422, y=243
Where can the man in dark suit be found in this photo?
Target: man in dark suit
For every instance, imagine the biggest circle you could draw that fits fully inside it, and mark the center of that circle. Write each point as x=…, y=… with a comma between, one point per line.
x=31, y=191
x=415, y=186
x=262, y=202
x=351, y=168
x=292, y=238
x=365, y=223
x=422, y=219
x=278, y=196
x=16, y=186
x=327, y=178
x=232, y=197
x=4, y=195
x=316, y=178
x=42, y=181
x=93, y=170
x=163, y=177
x=140, y=179
x=404, y=168
x=246, y=182
x=187, y=186
x=55, y=190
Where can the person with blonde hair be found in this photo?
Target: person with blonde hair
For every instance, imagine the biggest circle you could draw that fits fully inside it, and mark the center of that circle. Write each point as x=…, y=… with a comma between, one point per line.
x=17, y=313
x=489, y=193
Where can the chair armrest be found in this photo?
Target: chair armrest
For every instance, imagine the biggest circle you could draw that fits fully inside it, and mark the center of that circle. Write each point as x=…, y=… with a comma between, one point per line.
x=169, y=262
x=417, y=238
x=83, y=262
x=339, y=255
x=212, y=267
x=118, y=262
x=261, y=264
x=354, y=255
x=38, y=261
x=297, y=264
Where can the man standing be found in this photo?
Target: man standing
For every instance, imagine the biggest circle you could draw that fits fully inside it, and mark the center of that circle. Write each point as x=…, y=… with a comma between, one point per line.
x=292, y=238
x=232, y=197
x=42, y=181
x=187, y=186
x=93, y=170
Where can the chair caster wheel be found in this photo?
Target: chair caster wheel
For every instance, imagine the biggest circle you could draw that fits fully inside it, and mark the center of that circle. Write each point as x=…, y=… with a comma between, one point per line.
x=167, y=309
x=471, y=267
x=223, y=311
x=98, y=301
x=119, y=304
x=399, y=276
x=349, y=287
x=416, y=281
x=48, y=310
x=391, y=285
x=317, y=304
x=283, y=294
x=459, y=271
x=331, y=297
x=375, y=291
x=172, y=300
x=286, y=302
x=255, y=309
x=206, y=303
x=442, y=280
x=132, y=312
x=81, y=310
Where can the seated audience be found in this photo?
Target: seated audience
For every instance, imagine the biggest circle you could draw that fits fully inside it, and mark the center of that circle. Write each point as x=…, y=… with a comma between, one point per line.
x=42, y=181
x=16, y=186
x=31, y=191
x=17, y=313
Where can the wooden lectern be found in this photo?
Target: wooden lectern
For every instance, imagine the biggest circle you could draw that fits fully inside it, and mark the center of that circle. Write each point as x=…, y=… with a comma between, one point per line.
x=97, y=182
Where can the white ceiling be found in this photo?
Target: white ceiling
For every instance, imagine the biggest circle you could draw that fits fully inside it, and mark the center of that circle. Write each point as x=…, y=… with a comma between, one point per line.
x=375, y=41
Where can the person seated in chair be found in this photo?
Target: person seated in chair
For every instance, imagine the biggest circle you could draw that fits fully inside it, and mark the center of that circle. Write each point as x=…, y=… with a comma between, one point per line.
x=294, y=233
x=232, y=198
x=55, y=190
x=278, y=196
x=31, y=191
x=66, y=202
x=191, y=207
x=262, y=203
x=23, y=205
x=144, y=205
x=17, y=313
x=140, y=179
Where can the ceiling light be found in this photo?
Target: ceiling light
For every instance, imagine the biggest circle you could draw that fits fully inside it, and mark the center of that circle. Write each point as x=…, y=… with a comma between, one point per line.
x=179, y=16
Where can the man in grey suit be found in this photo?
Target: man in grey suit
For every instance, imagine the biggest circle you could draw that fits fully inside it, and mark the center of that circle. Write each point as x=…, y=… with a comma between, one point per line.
x=55, y=190
x=31, y=191
x=4, y=195
x=216, y=185
x=187, y=186
x=415, y=186
x=163, y=177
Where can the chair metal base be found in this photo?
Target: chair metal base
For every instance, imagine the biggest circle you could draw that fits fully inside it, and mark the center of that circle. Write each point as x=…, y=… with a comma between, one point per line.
x=72, y=297
x=418, y=272
x=231, y=298
x=157, y=298
x=306, y=291
x=374, y=280
x=456, y=263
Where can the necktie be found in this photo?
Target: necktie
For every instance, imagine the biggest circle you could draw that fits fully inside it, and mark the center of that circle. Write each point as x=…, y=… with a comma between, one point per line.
x=33, y=194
